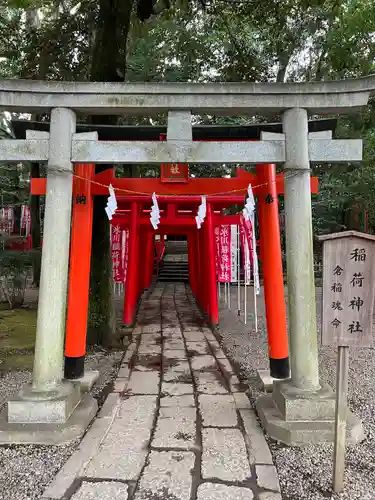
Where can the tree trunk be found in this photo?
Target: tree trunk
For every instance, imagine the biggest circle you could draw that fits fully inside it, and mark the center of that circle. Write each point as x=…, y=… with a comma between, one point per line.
x=108, y=65
x=33, y=23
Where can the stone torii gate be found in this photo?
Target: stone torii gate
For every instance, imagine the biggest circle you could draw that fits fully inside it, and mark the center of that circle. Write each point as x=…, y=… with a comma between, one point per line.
x=294, y=404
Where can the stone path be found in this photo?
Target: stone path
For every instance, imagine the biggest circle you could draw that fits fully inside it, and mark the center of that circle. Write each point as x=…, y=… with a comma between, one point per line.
x=178, y=425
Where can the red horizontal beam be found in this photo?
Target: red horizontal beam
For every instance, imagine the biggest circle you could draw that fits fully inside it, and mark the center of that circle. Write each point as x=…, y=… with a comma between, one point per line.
x=177, y=200
x=168, y=222
x=194, y=187
x=143, y=188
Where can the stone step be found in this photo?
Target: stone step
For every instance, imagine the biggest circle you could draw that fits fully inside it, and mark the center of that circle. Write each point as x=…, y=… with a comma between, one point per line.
x=173, y=271
x=172, y=279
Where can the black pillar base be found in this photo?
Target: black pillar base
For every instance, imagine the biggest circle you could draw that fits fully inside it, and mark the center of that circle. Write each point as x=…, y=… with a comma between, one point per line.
x=279, y=368
x=74, y=367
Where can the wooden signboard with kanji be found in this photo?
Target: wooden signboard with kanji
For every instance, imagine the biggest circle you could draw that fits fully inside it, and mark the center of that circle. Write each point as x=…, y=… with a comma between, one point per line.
x=348, y=289
x=175, y=172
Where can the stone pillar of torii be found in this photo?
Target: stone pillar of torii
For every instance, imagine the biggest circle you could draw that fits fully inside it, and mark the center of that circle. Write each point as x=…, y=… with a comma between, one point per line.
x=297, y=406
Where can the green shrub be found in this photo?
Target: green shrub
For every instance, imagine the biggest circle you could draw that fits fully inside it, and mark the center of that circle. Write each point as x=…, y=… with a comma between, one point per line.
x=14, y=269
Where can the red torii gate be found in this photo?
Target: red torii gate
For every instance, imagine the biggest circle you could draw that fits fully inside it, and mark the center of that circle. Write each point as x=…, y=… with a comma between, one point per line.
x=266, y=186
x=177, y=217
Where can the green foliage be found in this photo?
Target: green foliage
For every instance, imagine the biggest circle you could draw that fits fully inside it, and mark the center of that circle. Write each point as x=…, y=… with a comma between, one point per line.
x=13, y=275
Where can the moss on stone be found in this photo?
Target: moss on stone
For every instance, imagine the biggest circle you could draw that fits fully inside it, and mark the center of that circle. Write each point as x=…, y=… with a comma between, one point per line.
x=17, y=339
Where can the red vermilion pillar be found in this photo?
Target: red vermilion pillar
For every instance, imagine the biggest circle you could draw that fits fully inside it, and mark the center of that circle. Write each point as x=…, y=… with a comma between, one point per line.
x=272, y=271
x=190, y=261
x=197, y=266
x=149, y=259
x=142, y=260
x=131, y=285
x=199, y=296
x=79, y=272
x=202, y=270
x=193, y=275
x=213, y=309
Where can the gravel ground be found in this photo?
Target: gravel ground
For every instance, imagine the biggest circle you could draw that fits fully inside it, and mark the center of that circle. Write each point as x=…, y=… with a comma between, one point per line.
x=25, y=471
x=306, y=473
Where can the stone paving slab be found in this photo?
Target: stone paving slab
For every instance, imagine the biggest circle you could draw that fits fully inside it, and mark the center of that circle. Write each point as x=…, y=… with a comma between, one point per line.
x=226, y=367
x=171, y=330
x=138, y=408
x=151, y=360
x=177, y=401
x=211, y=382
x=174, y=344
x=173, y=337
x=198, y=347
x=167, y=476
x=123, y=451
x=144, y=383
x=203, y=362
x=209, y=335
x=176, y=389
x=120, y=385
x=224, y=455
x=212, y=491
x=267, y=477
x=149, y=349
x=219, y=353
x=242, y=401
x=110, y=406
x=175, y=428
x=124, y=372
x=194, y=336
x=269, y=495
x=259, y=451
x=129, y=354
x=175, y=354
x=190, y=328
x=155, y=328
x=76, y=465
x=180, y=376
x=102, y=491
x=218, y=410
x=151, y=338
x=176, y=365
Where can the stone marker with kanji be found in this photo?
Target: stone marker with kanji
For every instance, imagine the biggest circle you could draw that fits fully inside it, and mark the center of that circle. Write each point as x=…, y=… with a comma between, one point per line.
x=348, y=289
x=347, y=319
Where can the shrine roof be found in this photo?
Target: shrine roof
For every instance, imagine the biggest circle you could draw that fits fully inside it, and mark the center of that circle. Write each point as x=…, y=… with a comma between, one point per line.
x=346, y=234
x=152, y=133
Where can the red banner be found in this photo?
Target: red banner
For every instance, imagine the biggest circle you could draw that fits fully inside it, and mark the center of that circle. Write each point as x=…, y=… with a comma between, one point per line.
x=125, y=252
x=6, y=220
x=224, y=257
x=25, y=219
x=120, y=252
x=217, y=249
x=116, y=250
x=246, y=229
x=245, y=253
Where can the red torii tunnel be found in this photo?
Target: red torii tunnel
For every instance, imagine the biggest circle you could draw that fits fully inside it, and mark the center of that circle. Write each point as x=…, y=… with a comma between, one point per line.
x=177, y=218
x=179, y=203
